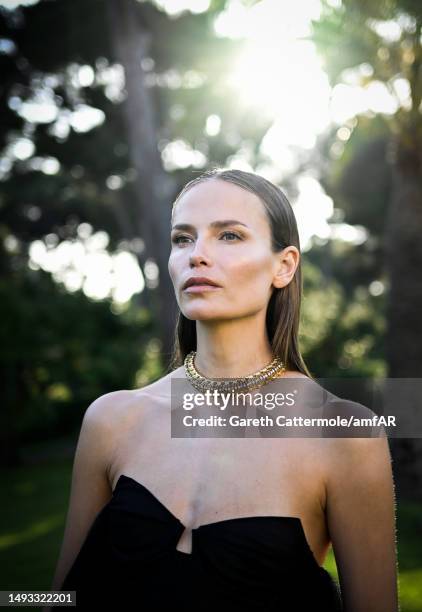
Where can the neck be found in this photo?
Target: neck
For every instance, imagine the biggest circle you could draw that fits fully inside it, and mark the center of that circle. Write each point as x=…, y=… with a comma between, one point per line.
x=232, y=349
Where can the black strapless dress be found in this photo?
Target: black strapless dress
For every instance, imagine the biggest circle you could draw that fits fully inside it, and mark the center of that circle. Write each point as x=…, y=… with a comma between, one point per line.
x=129, y=561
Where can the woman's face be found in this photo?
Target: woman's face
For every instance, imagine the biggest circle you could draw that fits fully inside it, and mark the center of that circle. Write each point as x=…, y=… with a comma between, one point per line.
x=237, y=256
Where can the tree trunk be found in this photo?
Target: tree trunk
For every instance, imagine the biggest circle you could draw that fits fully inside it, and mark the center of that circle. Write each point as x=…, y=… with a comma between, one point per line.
x=154, y=189
x=403, y=250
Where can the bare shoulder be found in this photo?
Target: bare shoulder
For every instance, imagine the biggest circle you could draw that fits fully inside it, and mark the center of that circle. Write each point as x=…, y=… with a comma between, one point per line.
x=359, y=453
x=359, y=446
x=108, y=412
x=107, y=407
x=357, y=469
x=356, y=457
x=115, y=407
x=118, y=410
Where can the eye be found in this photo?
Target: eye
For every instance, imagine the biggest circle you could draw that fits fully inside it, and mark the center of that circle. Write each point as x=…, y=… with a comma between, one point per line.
x=176, y=239
x=231, y=234
x=180, y=239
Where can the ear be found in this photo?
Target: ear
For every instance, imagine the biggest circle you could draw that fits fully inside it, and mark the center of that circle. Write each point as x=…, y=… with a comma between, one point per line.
x=286, y=262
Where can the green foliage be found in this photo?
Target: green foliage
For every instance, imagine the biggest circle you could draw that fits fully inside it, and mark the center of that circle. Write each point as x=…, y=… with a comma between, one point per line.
x=341, y=334
x=329, y=35
x=60, y=351
x=355, y=35
x=356, y=168
x=360, y=180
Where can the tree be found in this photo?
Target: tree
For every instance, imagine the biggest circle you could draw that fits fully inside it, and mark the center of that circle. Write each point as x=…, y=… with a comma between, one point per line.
x=154, y=80
x=381, y=42
x=93, y=98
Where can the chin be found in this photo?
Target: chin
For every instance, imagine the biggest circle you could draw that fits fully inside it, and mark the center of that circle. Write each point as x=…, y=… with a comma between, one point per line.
x=201, y=314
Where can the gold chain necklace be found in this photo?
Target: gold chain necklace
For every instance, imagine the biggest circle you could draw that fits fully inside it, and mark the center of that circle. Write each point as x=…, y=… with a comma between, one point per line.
x=245, y=383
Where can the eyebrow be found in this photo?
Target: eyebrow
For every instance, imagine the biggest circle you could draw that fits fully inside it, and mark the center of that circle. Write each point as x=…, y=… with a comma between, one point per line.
x=217, y=224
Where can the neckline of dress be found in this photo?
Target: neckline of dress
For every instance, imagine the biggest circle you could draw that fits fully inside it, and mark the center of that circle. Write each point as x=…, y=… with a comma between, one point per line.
x=294, y=519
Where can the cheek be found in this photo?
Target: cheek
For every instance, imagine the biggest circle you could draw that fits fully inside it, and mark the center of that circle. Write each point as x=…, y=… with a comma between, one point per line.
x=251, y=270
x=172, y=267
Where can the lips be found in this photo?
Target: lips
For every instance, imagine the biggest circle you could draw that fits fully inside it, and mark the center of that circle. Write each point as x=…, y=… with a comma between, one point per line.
x=199, y=280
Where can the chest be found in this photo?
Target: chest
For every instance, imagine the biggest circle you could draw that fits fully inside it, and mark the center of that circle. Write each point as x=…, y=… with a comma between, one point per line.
x=207, y=479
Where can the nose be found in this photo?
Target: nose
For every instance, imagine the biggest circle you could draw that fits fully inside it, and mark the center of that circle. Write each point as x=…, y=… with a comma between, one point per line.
x=198, y=255
x=197, y=260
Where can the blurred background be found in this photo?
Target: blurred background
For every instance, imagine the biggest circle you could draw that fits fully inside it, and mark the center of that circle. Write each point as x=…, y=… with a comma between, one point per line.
x=107, y=109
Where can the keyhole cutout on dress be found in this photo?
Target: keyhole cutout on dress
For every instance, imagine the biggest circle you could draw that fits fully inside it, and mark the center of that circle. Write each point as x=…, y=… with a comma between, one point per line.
x=185, y=543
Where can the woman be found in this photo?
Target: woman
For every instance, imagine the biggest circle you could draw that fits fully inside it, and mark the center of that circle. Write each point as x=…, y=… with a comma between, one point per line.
x=227, y=523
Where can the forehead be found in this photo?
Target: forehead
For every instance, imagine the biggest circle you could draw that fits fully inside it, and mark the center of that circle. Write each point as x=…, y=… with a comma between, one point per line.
x=215, y=199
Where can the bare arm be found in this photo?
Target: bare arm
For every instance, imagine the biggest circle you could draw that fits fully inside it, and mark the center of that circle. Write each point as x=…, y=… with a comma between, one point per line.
x=90, y=488
x=361, y=521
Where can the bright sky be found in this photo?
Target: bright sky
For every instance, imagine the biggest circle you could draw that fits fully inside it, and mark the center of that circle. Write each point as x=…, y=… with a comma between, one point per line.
x=278, y=74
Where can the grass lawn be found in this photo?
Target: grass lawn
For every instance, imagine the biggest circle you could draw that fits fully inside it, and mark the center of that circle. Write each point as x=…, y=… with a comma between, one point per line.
x=33, y=513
